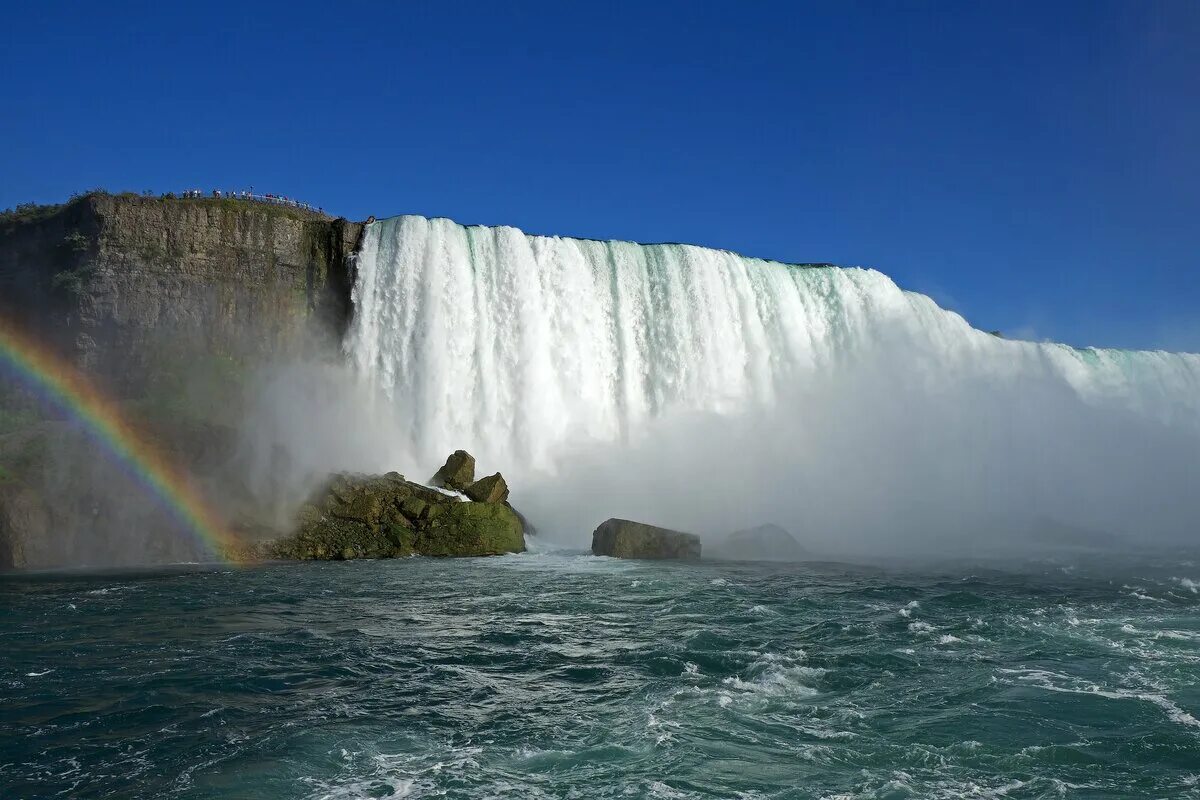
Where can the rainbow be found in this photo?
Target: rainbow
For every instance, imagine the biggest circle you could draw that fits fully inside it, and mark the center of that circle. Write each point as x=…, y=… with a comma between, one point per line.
x=54, y=379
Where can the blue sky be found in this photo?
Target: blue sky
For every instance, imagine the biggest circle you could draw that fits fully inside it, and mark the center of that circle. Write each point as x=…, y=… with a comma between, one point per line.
x=1035, y=166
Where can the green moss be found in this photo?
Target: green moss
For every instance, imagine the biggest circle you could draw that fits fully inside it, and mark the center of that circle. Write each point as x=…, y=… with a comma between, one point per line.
x=473, y=529
x=336, y=539
x=29, y=212
x=34, y=212
x=73, y=281
x=388, y=517
x=76, y=242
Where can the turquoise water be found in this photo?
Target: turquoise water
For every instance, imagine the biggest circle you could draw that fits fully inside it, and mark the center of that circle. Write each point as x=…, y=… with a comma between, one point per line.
x=567, y=676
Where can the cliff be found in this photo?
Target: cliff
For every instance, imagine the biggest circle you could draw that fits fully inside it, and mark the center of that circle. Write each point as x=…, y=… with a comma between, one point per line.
x=172, y=305
x=126, y=284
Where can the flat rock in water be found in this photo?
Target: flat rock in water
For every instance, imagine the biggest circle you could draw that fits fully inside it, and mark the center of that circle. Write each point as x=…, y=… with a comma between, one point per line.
x=624, y=538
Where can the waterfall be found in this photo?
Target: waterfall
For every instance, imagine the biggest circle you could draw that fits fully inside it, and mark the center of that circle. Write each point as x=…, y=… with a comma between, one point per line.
x=512, y=344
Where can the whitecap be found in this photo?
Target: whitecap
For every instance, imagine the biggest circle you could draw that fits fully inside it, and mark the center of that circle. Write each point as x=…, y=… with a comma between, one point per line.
x=778, y=682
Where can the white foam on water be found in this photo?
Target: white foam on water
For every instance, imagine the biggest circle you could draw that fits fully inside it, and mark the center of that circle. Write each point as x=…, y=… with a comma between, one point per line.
x=776, y=681
x=1058, y=682
x=108, y=590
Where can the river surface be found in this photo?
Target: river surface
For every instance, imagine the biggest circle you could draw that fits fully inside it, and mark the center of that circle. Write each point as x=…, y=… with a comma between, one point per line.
x=560, y=675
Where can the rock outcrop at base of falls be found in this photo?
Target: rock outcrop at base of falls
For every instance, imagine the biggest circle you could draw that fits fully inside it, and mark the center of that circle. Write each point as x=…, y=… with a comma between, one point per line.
x=622, y=538
x=457, y=473
x=387, y=516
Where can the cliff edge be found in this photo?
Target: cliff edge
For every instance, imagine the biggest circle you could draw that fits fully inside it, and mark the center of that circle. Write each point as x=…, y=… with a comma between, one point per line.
x=124, y=283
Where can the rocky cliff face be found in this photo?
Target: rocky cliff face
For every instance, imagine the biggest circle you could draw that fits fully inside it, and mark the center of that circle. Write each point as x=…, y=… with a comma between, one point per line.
x=172, y=305
x=124, y=283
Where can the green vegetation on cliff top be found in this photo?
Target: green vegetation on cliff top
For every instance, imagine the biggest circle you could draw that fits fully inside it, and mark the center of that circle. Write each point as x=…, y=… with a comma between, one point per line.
x=34, y=212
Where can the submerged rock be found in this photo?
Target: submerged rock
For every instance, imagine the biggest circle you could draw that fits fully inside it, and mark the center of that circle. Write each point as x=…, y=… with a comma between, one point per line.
x=386, y=516
x=457, y=473
x=624, y=538
x=764, y=543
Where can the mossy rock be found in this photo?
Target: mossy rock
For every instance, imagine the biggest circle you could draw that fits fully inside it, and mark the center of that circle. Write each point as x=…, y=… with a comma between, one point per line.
x=414, y=508
x=492, y=489
x=622, y=538
x=457, y=473
x=473, y=529
x=365, y=516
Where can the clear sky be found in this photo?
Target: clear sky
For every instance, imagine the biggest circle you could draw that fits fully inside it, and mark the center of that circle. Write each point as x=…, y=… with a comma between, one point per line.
x=1033, y=165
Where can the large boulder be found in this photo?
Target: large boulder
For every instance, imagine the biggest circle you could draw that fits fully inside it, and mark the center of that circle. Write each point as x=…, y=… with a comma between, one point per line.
x=457, y=473
x=623, y=538
x=763, y=543
x=492, y=489
x=386, y=516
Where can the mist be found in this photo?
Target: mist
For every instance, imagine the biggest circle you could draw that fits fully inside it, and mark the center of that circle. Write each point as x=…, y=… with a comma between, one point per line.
x=304, y=420
x=889, y=455
x=878, y=462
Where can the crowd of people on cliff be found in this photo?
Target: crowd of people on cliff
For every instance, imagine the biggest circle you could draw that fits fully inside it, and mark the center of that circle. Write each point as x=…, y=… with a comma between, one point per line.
x=244, y=194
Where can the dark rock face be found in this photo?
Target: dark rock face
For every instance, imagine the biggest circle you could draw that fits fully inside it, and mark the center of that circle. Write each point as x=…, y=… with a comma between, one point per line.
x=386, y=516
x=168, y=305
x=457, y=473
x=63, y=501
x=123, y=284
x=622, y=538
x=764, y=543
x=24, y=526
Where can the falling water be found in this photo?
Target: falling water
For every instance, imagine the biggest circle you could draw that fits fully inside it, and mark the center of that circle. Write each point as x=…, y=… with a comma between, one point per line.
x=515, y=344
